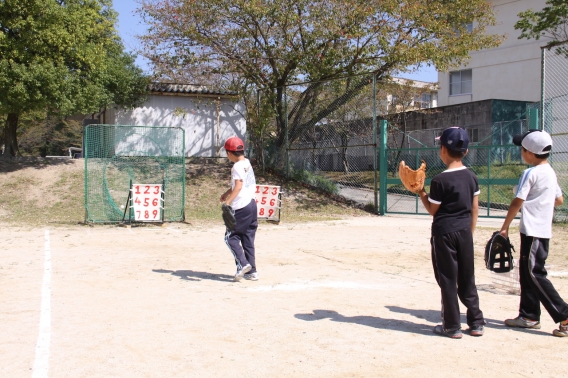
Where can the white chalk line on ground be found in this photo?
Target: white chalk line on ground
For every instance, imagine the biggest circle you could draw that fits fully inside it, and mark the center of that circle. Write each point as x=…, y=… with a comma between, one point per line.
x=41, y=362
x=296, y=286
x=558, y=274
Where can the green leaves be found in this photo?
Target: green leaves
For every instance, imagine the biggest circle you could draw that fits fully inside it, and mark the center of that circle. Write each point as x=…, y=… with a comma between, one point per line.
x=267, y=44
x=551, y=21
x=64, y=56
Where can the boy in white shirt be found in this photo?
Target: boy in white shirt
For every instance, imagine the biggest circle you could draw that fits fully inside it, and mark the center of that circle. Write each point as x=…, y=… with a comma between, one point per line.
x=537, y=193
x=241, y=197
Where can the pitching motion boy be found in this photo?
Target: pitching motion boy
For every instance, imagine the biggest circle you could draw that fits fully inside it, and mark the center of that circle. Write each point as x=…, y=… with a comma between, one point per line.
x=240, y=200
x=537, y=194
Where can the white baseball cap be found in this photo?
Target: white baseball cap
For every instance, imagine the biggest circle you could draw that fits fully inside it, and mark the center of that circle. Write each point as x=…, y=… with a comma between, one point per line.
x=536, y=141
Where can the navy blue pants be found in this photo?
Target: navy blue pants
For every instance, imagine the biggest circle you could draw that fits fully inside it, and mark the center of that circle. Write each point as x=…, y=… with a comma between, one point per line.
x=241, y=240
x=452, y=258
x=535, y=287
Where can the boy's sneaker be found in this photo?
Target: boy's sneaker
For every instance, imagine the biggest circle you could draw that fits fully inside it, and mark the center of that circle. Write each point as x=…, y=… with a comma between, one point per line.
x=252, y=276
x=477, y=330
x=521, y=322
x=455, y=334
x=562, y=330
x=241, y=272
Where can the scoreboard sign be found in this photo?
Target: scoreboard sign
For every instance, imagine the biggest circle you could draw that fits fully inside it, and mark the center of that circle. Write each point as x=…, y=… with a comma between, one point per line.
x=147, y=202
x=268, y=202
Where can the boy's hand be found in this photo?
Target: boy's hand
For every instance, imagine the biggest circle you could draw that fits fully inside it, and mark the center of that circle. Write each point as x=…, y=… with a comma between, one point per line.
x=223, y=197
x=504, y=232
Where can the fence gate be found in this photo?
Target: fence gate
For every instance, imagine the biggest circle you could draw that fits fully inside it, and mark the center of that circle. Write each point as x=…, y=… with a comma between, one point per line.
x=497, y=167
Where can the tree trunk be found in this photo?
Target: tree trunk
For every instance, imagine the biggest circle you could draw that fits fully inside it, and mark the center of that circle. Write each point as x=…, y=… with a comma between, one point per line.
x=10, y=137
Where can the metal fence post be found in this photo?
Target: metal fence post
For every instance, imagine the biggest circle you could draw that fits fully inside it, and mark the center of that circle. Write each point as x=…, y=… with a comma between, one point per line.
x=542, y=82
x=375, y=148
x=488, y=180
x=286, y=132
x=383, y=168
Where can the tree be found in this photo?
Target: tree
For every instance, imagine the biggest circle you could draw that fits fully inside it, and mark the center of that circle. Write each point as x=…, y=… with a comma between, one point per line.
x=272, y=43
x=61, y=57
x=551, y=21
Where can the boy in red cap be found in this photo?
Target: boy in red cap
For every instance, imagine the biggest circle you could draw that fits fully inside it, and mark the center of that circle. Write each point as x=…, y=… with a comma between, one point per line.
x=241, y=197
x=537, y=194
x=453, y=201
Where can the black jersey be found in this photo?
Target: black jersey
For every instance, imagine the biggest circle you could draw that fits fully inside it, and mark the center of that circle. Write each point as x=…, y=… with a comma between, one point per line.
x=453, y=190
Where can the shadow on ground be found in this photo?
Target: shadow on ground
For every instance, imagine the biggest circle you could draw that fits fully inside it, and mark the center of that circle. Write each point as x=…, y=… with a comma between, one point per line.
x=8, y=164
x=369, y=321
x=431, y=316
x=192, y=275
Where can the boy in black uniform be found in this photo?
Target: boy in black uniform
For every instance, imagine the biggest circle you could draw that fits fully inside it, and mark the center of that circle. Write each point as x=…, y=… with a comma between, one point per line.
x=453, y=201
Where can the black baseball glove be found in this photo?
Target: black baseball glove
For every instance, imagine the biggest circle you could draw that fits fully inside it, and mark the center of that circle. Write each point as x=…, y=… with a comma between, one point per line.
x=498, y=254
x=229, y=217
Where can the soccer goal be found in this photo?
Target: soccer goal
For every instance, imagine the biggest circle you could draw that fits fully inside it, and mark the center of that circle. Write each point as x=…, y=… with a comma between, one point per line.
x=119, y=158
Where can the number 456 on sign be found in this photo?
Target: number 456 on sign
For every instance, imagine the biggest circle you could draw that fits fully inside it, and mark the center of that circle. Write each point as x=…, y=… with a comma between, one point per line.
x=147, y=202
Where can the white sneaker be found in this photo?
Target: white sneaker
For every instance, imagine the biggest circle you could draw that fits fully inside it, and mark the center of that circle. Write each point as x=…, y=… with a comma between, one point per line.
x=252, y=276
x=241, y=272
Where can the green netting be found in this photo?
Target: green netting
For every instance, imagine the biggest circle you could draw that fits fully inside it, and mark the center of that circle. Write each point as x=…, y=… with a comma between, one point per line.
x=116, y=156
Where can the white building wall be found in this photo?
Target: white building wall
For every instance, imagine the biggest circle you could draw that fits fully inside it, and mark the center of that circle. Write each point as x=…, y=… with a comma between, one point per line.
x=509, y=72
x=205, y=132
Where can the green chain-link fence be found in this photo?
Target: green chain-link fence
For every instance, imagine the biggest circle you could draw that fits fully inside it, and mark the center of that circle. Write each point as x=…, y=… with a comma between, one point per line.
x=554, y=108
x=497, y=167
x=118, y=156
x=335, y=137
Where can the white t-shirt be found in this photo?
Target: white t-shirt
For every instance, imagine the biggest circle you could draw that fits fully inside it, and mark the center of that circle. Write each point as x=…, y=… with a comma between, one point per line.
x=242, y=170
x=538, y=187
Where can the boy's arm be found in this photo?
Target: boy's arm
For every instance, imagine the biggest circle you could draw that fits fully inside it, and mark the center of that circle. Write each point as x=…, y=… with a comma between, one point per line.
x=559, y=201
x=514, y=208
x=233, y=193
x=474, y=213
x=431, y=208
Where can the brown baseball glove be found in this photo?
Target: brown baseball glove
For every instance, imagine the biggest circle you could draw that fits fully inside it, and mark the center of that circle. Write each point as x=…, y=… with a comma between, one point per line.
x=413, y=180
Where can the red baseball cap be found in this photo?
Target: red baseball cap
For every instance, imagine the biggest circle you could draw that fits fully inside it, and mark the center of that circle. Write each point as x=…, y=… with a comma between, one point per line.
x=234, y=143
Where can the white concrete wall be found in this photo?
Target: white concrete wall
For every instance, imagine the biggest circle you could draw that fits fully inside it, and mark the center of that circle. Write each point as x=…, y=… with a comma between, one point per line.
x=197, y=116
x=508, y=72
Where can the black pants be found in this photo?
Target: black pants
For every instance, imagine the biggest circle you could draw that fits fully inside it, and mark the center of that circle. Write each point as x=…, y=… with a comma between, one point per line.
x=241, y=240
x=535, y=287
x=452, y=258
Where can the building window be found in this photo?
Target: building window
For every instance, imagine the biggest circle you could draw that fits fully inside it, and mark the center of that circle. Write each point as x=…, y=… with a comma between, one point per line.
x=473, y=135
x=460, y=82
x=423, y=101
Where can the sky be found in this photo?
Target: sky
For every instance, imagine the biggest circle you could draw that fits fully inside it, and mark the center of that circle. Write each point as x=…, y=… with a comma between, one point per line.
x=130, y=25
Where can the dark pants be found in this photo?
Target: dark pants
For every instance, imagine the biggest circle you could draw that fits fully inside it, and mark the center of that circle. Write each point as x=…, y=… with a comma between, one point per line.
x=452, y=258
x=535, y=287
x=244, y=234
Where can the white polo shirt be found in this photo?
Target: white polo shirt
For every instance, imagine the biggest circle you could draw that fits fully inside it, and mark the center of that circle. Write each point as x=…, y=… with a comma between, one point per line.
x=242, y=170
x=538, y=187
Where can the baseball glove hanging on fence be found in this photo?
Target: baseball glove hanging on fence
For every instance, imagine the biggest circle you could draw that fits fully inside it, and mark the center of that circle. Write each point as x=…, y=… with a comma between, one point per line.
x=498, y=254
x=229, y=217
x=413, y=180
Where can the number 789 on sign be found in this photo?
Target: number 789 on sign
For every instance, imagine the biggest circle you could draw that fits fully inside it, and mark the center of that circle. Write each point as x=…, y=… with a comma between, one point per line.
x=147, y=202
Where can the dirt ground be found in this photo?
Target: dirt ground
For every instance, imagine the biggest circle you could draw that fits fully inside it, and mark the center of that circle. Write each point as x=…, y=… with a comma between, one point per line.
x=349, y=298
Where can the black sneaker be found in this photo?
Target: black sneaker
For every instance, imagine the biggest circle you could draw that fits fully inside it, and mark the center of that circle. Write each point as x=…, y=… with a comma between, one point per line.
x=476, y=330
x=453, y=334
